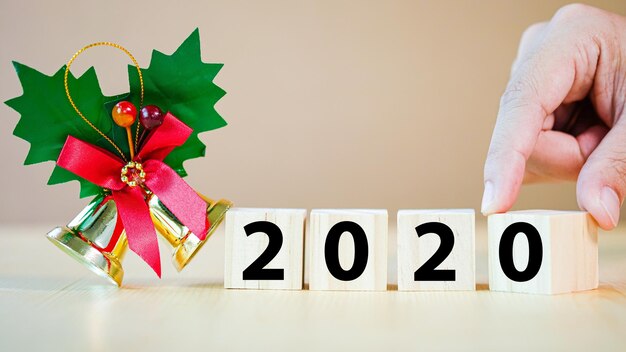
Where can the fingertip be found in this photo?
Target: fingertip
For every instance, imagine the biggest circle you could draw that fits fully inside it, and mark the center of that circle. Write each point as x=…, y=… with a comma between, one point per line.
x=504, y=174
x=602, y=220
x=603, y=204
x=489, y=211
x=496, y=198
x=611, y=204
x=486, y=206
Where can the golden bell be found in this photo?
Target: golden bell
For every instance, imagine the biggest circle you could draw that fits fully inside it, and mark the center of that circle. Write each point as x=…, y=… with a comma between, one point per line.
x=185, y=243
x=95, y=239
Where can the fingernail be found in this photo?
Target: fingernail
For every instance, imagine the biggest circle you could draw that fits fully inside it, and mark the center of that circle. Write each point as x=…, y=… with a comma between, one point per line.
x=611, y=204
x=487, y=204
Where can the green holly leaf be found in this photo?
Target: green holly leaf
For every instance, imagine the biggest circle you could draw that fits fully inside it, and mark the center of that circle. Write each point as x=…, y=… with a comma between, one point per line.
x=47, y=118
x=183, y=85
x=180, y=83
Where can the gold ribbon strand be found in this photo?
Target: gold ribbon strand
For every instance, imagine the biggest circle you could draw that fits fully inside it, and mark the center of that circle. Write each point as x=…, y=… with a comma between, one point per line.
x=69, y=97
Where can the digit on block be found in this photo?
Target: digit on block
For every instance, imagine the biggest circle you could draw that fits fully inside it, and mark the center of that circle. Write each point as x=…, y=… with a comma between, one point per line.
x=264, y=248
x=347, y=249
x=542, y=251
x=436, y=250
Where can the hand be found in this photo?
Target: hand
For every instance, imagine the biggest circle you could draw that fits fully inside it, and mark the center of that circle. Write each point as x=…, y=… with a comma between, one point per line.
x=563, y=114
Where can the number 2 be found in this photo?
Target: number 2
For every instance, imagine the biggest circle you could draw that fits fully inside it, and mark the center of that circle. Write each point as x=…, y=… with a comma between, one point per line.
x=257, y=270
x=428, y=271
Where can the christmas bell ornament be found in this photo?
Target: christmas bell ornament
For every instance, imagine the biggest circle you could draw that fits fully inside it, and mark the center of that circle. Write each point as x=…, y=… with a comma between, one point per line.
x=128, y=154
x=96, y=238
x=185, y=243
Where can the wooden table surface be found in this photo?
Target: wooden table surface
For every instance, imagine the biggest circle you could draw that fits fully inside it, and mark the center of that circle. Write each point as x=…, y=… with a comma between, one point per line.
x=49, y=302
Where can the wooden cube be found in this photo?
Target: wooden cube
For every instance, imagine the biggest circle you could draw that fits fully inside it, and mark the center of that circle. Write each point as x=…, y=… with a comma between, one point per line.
x=264, y=248
x=436, y=250
x=347, y=249
x=543, y=251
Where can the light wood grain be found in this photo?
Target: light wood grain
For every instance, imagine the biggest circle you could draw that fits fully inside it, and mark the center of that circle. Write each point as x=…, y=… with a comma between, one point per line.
x=570, y=252
x=50, y=303
x=241, y=250
x=374, y=223
x=414, y=251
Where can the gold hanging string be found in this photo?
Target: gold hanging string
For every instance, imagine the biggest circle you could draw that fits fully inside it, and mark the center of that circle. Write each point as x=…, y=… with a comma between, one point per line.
x=69, y=97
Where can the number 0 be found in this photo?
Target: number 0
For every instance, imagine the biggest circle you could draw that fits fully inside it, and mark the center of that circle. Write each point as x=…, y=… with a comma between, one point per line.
x=535, y=251
x=331, y=251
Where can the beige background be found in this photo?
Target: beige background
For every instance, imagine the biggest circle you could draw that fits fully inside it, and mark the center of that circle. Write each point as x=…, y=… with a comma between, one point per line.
x=377, y=104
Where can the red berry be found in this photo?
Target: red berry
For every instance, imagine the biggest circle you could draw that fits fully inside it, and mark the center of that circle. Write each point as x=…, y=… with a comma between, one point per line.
x=151, y=117
x=124, y=114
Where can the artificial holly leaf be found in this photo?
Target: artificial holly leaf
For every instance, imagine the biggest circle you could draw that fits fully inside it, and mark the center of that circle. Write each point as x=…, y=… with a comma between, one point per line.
x=180, y=83
x=60, y=175
x=183, y=85
x=47, y=118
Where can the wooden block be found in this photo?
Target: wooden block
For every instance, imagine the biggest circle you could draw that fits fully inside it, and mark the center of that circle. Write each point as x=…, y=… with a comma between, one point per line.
x=543, y=251
x=264, y=248
x=436, y=250
x=347, y=249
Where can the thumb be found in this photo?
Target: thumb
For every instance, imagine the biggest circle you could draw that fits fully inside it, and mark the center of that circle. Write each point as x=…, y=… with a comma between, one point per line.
x=601, y=183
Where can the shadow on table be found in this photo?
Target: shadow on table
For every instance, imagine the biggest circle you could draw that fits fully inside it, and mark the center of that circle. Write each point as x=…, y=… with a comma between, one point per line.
x=50, y=284
x=90, y=283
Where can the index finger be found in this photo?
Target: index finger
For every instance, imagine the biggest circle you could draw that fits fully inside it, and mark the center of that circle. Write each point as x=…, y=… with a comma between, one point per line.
x=554, y=73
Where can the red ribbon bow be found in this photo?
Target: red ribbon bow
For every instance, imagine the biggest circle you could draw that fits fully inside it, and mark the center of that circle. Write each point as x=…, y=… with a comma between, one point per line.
x=104, y=169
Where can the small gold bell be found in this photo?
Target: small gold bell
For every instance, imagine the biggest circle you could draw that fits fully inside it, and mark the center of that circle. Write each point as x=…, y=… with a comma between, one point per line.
x=95, y=238
x=185, y=243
